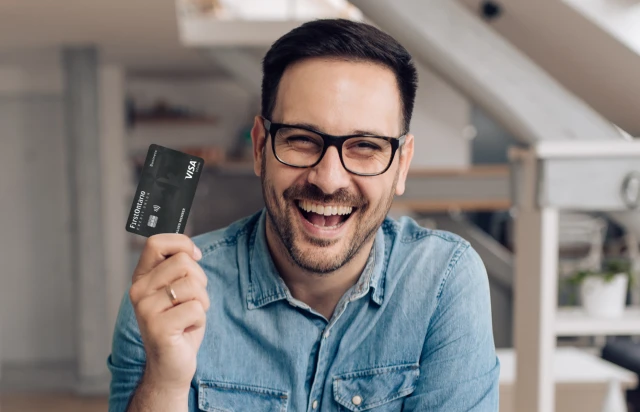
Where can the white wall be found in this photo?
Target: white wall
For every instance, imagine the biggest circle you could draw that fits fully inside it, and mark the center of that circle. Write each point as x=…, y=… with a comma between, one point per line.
x=36, y=292
x=440, y=115
x=115, y=181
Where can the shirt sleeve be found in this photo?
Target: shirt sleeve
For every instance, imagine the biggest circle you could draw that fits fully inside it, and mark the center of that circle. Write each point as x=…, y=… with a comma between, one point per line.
x=459, y=369
x=128, y=359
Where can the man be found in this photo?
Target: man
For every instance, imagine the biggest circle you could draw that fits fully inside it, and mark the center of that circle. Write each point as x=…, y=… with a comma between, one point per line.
x=319, y=302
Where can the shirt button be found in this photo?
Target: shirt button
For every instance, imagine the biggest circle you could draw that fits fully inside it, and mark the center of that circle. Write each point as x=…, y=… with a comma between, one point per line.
x=356, y=400
x=326, y=334
x=314, y=405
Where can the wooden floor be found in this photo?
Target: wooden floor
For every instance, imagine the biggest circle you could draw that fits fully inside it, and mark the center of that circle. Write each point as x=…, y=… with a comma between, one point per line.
x=51, y=403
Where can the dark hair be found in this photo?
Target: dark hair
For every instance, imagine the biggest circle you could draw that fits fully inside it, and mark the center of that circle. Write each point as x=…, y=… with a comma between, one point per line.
x=342, y=39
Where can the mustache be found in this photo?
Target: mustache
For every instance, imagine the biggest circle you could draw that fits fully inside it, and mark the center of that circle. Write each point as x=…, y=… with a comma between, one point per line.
x=315, y=194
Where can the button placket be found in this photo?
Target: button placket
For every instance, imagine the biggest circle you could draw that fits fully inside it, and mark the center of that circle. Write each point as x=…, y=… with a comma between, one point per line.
x=316, y=391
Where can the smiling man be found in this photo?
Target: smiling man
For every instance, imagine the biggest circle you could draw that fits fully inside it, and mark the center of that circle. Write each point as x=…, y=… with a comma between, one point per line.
x=318, y=302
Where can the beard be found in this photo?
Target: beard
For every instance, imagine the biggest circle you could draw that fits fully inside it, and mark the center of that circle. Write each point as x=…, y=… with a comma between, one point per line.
x=365, y=220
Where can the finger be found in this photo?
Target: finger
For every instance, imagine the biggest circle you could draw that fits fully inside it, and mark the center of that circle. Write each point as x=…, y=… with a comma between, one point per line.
x=159, y=247
x=185, y=289
x=189, y=315
x=174, y=268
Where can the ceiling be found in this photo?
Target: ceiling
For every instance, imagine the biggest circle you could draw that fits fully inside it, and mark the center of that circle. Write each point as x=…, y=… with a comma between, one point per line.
x=579, y=52
x=141, y=35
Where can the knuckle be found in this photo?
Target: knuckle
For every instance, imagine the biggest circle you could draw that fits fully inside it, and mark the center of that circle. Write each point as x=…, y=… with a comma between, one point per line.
x=202, y=313
x=184, y=241
x=197, y=273
x=187, y=283
x=203, y=298
x=204, y=294
x=188, y=305
x=153, y=242
x=144, y=308
x=183, y=259
x=134, y=293
x=194, y=306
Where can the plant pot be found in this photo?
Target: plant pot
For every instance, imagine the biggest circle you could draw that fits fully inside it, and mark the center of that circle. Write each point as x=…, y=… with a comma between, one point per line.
x=604, y=299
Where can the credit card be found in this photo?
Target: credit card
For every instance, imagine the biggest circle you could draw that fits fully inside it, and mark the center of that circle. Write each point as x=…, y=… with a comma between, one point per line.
x=165, y=193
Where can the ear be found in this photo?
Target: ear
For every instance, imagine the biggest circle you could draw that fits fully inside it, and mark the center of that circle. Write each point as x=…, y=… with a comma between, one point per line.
x=259, y=138
x=405, y=162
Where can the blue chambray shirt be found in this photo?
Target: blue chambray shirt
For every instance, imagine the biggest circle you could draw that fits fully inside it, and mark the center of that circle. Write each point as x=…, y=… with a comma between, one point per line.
x=413, y=334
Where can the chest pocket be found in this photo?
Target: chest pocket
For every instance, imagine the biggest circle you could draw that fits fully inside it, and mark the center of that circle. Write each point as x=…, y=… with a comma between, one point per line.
x=214, y=396
x=378, y=389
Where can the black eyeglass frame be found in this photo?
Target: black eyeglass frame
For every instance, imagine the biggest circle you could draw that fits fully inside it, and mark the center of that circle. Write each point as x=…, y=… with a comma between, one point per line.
x=330, y=140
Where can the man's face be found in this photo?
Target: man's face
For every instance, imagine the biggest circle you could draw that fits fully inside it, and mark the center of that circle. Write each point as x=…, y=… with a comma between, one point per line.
x=338, y=98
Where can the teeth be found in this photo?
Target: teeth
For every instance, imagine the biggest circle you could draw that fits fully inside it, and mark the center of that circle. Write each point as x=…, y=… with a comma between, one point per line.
x=326, y=210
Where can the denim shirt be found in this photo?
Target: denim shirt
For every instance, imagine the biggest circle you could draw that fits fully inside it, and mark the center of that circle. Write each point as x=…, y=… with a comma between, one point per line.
x=413, y=334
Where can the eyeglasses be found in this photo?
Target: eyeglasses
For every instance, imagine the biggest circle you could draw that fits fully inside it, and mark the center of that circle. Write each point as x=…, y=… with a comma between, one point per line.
x=363, y=155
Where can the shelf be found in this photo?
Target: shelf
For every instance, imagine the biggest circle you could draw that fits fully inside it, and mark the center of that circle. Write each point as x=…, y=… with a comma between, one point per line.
x=140, y=138
x=445, y=205
x=174, y=121
x=574, y=322
x=442, y=190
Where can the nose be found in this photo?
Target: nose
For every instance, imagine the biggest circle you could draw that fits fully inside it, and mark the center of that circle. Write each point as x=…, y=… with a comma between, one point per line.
x=329, y=175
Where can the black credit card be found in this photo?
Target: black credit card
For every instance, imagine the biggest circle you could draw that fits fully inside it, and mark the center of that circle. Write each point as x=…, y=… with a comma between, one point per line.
x=165, y=193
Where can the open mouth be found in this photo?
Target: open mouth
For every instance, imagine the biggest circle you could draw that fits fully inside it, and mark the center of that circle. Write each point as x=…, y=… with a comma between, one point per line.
x=325, y=216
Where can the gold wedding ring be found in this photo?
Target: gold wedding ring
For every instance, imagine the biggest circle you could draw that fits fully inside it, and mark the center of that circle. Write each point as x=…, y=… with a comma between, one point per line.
x=172, y=295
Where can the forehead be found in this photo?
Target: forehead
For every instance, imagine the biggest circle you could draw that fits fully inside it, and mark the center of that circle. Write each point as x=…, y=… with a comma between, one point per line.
x=340, y=97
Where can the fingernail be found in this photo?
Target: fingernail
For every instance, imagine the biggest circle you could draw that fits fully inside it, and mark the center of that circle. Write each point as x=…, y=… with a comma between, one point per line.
x=197, y=253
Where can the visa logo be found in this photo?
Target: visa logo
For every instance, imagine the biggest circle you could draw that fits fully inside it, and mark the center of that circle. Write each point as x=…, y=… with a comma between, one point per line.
x=191, y=169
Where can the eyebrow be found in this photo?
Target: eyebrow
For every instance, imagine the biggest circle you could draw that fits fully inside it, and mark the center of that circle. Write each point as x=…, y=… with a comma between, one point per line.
x=352, y=132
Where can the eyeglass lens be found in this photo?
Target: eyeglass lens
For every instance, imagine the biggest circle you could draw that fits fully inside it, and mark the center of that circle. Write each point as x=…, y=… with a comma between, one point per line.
x=365, y=155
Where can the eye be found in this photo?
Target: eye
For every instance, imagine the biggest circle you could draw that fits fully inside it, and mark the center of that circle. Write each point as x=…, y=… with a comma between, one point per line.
x=367, y=145
x=364, y=145
x=302, y=142
x=300, y=139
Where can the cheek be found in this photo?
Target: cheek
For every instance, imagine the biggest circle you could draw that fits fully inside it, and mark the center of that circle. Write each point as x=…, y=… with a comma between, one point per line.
x=282, y=177
x=375, y=191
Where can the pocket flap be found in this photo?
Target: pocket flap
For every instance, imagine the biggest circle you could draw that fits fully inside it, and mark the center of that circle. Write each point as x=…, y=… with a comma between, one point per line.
x=362, y=390
x=216, y=396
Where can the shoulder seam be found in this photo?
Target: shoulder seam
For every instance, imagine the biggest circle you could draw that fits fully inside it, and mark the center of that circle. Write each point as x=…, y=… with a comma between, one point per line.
x=462, y=248
x=429, y=232
x=453, y=262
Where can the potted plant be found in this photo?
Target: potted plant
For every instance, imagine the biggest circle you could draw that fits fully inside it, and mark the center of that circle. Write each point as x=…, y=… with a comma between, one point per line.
x=603, y=293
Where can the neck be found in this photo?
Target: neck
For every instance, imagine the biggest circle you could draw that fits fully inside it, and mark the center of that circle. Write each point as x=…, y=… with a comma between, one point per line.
x=321, y=292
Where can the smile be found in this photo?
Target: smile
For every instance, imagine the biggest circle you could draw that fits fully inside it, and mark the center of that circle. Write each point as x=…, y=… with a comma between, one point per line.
x=325, y=216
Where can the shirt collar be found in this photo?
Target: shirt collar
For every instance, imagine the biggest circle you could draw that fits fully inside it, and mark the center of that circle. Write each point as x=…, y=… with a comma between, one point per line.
x=266, y=285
